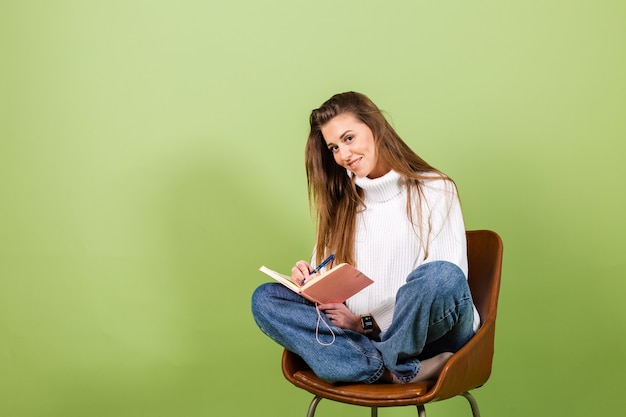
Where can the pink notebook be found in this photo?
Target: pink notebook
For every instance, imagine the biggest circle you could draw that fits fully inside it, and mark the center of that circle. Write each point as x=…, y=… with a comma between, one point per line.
x=333, y=286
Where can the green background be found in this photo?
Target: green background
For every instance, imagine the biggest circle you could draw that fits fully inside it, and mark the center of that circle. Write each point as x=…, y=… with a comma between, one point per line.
x=151, y=160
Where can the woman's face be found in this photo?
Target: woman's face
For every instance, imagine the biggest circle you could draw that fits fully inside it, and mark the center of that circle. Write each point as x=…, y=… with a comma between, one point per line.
x=352, y=144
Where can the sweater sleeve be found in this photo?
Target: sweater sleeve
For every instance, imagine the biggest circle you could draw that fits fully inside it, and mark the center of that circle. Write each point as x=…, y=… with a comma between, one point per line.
x=383, y=313
x=446, y=240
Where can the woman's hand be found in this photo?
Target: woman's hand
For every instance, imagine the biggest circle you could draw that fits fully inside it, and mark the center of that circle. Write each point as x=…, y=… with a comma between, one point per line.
x=301, y=272
x=340, y=316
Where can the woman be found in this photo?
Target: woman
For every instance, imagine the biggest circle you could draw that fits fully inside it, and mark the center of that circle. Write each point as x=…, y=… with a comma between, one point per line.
x=383, y=209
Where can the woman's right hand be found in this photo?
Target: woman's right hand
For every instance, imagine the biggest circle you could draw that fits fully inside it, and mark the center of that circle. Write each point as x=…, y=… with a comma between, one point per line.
x=301, y=272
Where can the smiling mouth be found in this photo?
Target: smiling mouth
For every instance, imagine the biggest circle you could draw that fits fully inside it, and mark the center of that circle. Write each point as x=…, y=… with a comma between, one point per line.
x=354, y=163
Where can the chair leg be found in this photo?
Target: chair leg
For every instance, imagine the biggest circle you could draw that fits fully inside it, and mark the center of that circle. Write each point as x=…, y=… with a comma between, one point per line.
x=473, y=403
x=313, y=406
x=421, y=411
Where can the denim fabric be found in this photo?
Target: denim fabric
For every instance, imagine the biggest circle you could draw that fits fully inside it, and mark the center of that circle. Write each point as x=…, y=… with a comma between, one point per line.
x=433, y=314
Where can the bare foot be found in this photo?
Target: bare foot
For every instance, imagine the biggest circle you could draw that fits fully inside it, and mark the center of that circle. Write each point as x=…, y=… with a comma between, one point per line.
x=431, y=368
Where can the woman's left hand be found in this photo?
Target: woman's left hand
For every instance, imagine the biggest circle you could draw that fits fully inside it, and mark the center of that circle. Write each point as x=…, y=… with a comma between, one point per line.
x=340, y=316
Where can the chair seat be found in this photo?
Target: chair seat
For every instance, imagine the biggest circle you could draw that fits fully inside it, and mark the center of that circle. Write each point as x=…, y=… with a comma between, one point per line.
x=382, y=395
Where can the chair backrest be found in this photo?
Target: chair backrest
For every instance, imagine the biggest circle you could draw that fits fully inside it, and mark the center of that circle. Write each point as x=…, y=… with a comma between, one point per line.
x=484, y=252
x=470, y=367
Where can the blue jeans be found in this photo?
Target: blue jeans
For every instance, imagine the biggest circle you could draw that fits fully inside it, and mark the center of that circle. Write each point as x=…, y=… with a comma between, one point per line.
x=433, y=314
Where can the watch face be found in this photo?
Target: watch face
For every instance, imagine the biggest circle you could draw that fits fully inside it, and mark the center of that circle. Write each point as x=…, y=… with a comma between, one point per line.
x=367, y=322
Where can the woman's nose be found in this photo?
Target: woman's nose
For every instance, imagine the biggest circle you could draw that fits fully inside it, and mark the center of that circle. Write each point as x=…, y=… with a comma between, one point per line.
x=345, y=152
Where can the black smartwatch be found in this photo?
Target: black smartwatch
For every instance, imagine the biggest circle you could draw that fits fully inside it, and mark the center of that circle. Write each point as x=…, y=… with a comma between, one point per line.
x=367, y=322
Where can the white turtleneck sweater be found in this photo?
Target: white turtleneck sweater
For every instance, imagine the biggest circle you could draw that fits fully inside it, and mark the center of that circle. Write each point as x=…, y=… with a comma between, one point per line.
x=388, y=246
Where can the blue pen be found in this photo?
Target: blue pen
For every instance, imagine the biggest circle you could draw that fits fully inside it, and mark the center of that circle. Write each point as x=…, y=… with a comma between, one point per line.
x=320, y=266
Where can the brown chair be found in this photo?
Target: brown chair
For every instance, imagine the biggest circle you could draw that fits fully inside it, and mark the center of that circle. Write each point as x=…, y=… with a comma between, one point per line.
x=467, y=369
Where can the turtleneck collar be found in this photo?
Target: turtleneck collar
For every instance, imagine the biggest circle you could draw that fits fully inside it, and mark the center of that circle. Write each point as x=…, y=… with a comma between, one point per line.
x=379, y=190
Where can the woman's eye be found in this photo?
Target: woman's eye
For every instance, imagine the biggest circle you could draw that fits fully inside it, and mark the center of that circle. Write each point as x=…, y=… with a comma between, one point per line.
x=333, y=148
x=348, y=139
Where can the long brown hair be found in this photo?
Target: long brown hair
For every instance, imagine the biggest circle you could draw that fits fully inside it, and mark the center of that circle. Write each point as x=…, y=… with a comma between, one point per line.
x=333, y=193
